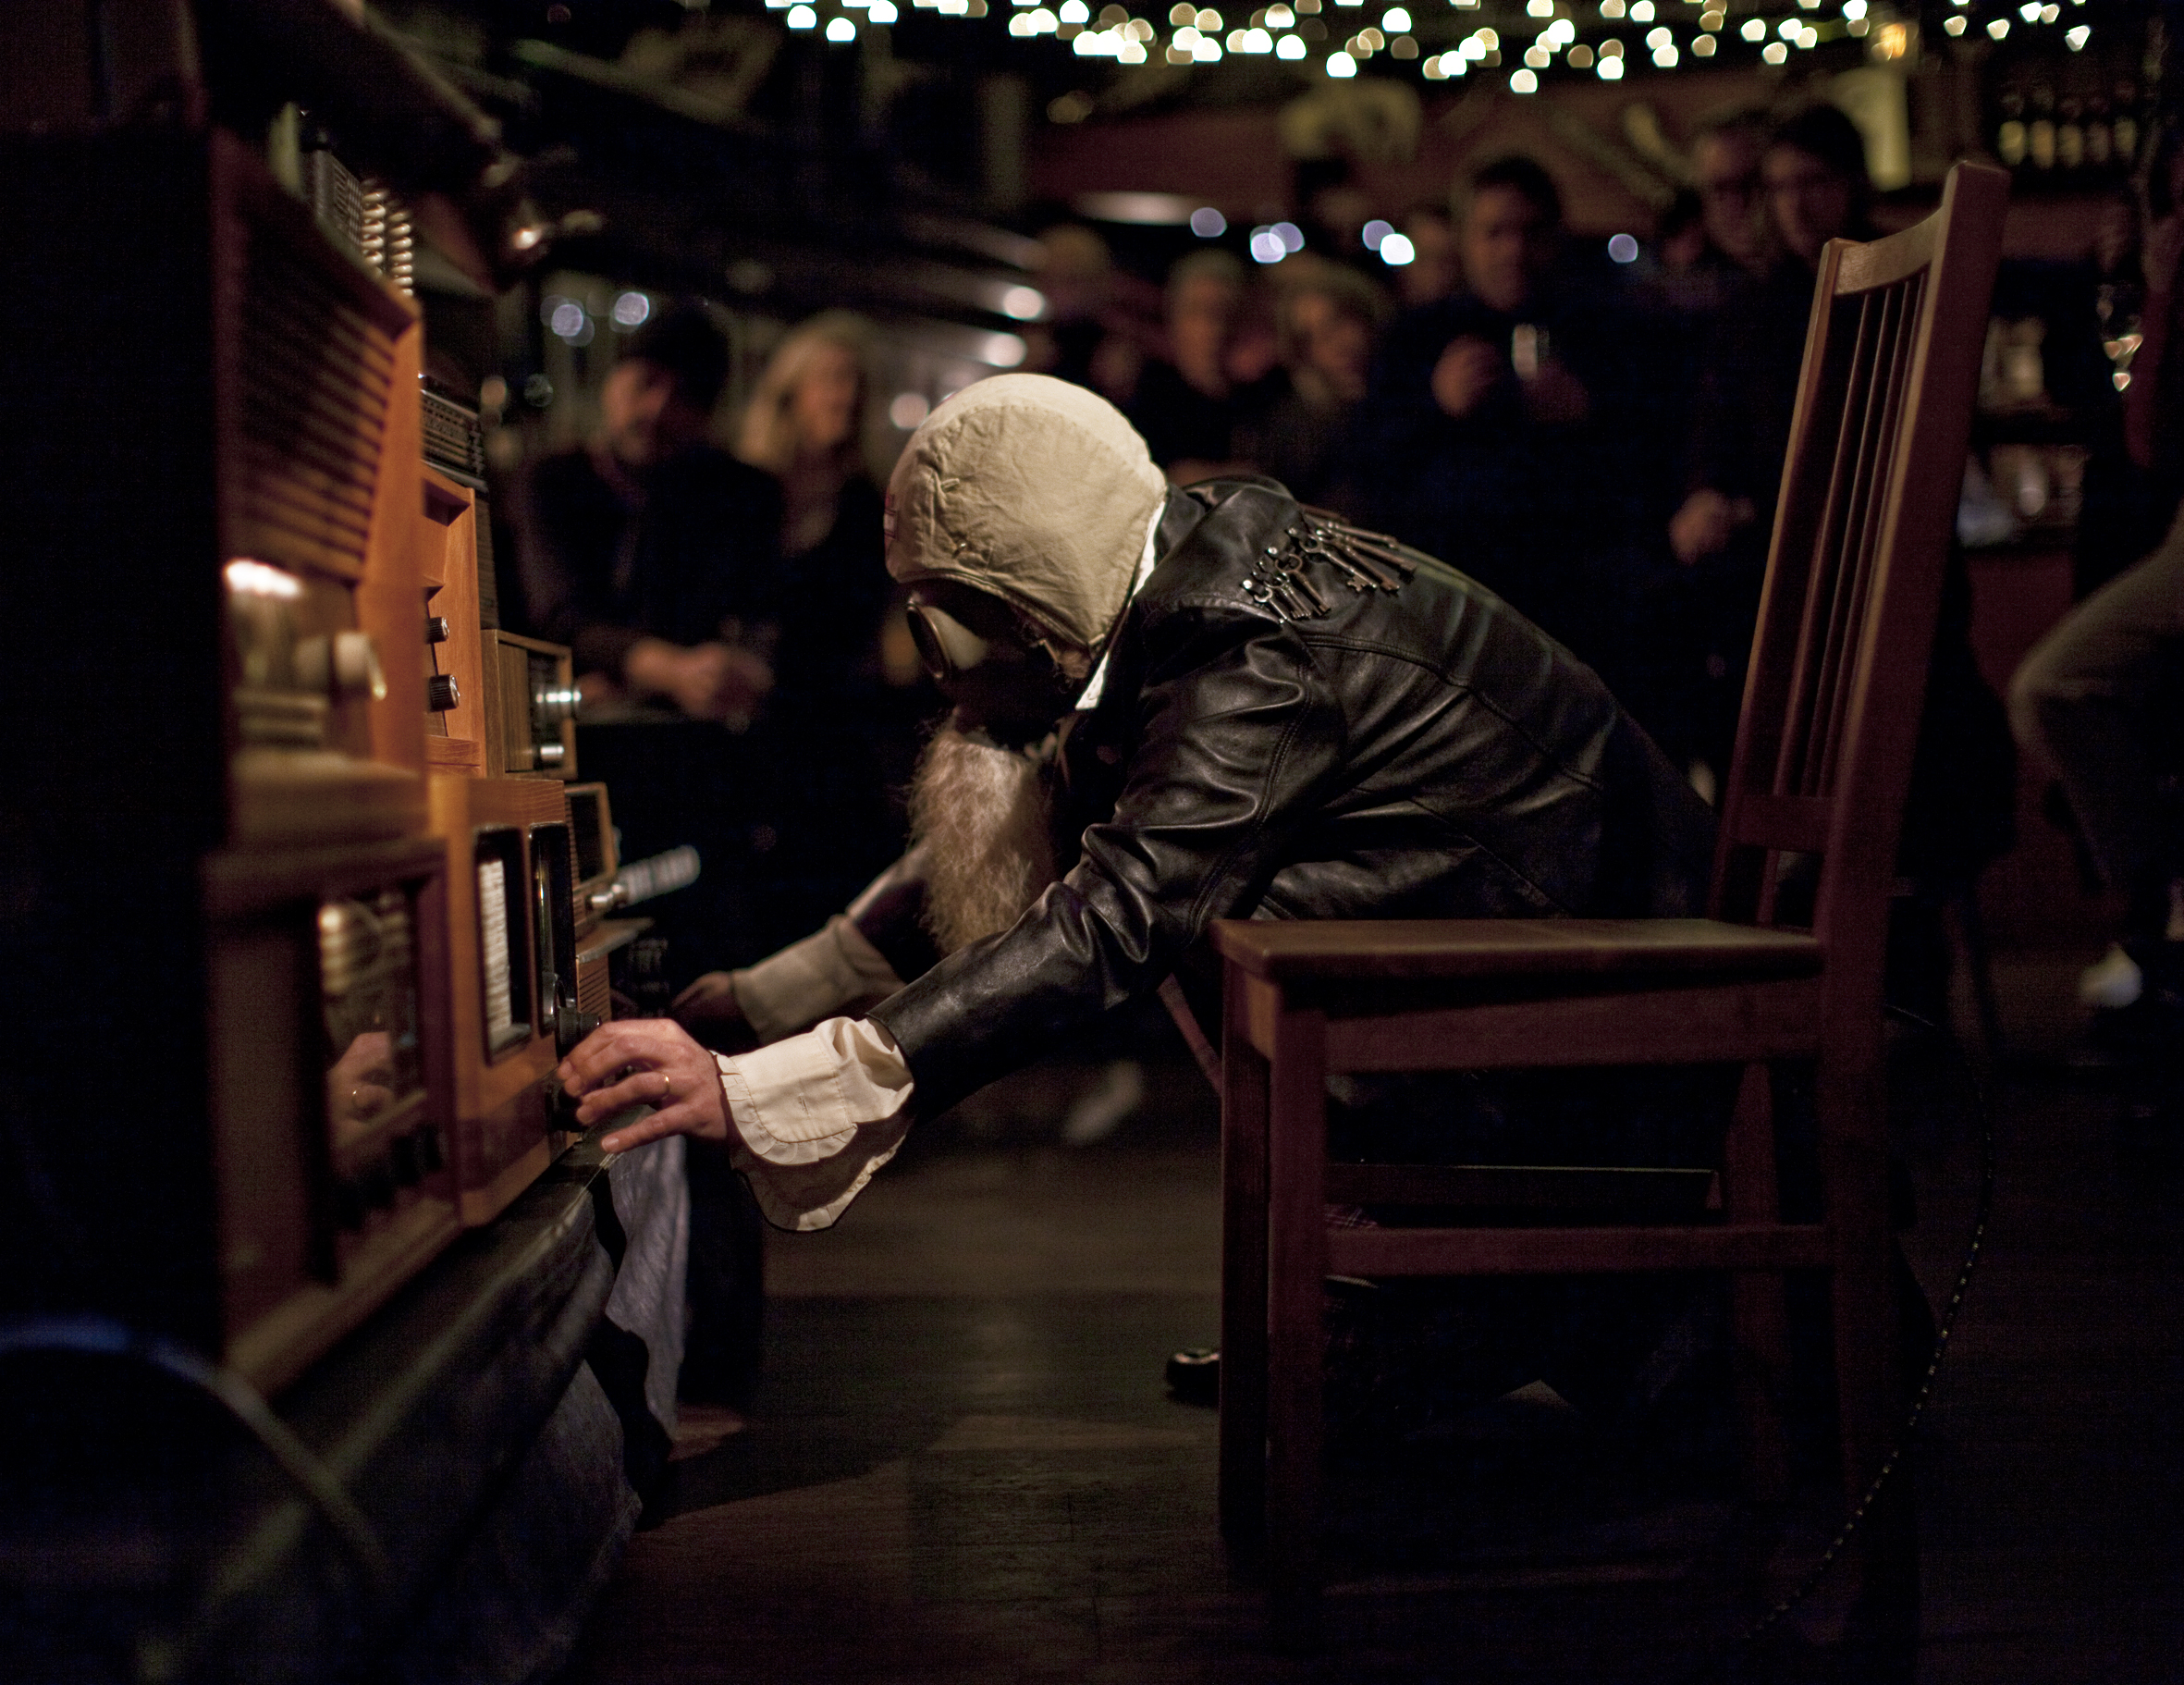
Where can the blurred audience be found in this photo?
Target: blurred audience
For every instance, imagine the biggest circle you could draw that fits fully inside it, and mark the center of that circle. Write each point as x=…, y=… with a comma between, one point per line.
x=1186, y=406
x=648, y=550
x=1484, y=439
x=2101, y=698
x=1726, y=166
x=1435, y=270
x=804, y=425
x=1082, y=338
x=819, y=785
x=1326, y=318
x=1960, y=811
x=1814, y=172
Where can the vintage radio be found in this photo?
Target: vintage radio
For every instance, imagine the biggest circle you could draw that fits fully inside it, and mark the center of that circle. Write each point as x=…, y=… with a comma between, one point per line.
x=496, y=705
x=512, y=966
x=605, y=885
x=515, y=980
x=223, y=920
x=325, y=984
x=529, y=708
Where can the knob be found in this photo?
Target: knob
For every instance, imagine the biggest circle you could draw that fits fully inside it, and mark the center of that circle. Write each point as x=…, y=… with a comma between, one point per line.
x=551, y=704
x=570, y=1026
x=441, y=692
x=435, y=629
x=551, y=752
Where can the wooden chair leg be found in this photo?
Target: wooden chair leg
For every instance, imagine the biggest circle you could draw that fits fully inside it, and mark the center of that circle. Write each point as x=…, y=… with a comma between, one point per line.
x=1243, y=1276
x=1854, y=1165
x=1752, y=1193
x=1297, y=1338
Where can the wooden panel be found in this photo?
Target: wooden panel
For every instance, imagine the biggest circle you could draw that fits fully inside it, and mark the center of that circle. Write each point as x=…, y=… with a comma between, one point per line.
x=500, y=1110
x=455, y=755
x=1635, y=1192
x=447, y=536
x=1574, y=1251
x=1459, y=948
x=1729, y=1022
x=297, y=1271
x=1297, y=1333
x=1244, y=1095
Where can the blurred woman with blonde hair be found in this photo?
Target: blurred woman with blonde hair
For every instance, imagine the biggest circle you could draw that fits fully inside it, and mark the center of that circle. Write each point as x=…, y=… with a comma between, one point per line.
x=804, y=425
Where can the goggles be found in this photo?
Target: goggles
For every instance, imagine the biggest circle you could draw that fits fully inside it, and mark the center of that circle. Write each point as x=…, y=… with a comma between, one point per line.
x=945, y=644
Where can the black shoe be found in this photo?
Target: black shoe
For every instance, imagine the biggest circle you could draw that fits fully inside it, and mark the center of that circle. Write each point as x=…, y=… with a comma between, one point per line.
x=1193, y=1376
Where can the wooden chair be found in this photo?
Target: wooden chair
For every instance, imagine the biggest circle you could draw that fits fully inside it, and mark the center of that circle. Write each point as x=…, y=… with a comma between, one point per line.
x=1824, y=751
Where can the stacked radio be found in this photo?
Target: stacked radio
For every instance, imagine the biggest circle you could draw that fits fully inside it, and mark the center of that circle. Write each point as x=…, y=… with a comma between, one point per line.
x=301, y=906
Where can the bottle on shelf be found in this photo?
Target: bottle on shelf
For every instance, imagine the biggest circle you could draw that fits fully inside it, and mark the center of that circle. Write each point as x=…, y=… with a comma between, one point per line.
x=2040, y=133
x=2009, y=134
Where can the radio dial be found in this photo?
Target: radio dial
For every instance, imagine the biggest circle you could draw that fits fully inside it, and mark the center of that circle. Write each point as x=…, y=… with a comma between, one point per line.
x=435, y=629
x=551, y=704
x=441, y=692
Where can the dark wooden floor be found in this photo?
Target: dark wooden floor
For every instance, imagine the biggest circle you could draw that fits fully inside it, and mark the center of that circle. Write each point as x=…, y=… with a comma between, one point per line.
x=964, y=1467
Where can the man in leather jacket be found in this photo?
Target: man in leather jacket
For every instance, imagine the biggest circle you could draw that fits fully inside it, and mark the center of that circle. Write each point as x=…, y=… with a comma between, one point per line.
x=1262, y=713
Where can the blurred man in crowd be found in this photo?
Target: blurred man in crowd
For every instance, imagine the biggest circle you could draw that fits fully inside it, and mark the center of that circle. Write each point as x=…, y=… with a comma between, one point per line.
x=1483, y=433
x=1816, y=189
x=1187, y=406
x=1433, y=271
x=1725, y=165
x=649, y=551
x=1326, y=318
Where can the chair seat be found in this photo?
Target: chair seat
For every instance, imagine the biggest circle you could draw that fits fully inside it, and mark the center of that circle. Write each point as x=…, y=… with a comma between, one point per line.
x=1451, y=950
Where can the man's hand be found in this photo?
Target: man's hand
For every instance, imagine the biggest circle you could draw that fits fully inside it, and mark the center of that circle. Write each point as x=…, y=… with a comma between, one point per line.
x=1467, y=371
x=1555, y=398
x=709, y=1010
x=645, y=1062
x=706, y=681
x=1705, y=524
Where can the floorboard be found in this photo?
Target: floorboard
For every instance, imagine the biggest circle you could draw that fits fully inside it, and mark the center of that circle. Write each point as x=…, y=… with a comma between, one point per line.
x=964, y=1467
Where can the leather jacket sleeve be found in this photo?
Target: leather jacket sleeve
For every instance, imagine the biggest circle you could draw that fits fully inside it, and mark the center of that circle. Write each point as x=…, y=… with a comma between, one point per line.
x=1236, y=735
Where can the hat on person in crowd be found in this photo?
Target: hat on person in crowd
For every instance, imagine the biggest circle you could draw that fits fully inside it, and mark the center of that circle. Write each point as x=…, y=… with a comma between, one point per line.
x=683, y=342
x=1032, y=491
x=1823, y=131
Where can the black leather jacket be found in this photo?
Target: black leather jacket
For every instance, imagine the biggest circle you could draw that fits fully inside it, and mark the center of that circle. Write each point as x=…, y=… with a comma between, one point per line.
x=1425, y=753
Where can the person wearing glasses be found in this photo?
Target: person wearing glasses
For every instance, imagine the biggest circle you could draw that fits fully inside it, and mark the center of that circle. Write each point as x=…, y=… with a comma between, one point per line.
x=1168, y=707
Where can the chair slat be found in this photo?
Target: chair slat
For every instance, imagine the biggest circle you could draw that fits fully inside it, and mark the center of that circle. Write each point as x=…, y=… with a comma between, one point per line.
x=1778, y=1019
x=1576, y=1252
x=1792, y=824
x=1417, y=950
x=1634, y=1193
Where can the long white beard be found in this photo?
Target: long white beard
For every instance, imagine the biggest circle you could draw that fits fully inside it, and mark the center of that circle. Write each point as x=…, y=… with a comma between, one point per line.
x=982, y=814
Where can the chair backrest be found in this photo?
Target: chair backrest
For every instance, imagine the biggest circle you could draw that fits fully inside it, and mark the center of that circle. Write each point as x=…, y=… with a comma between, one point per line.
x=1854, y=576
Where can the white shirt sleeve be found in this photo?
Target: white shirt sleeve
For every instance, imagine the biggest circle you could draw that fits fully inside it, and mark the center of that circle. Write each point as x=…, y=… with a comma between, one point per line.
x=813, y=1117
x=833, y=970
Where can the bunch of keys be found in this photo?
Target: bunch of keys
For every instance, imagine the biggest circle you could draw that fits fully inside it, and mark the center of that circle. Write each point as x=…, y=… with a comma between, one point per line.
x=1369, y=561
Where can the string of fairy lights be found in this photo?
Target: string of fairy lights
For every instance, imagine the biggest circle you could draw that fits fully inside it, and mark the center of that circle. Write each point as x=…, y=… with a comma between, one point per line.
x=1609, y=39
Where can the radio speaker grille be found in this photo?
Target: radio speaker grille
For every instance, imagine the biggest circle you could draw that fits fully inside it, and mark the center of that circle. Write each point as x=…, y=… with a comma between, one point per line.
x=314, y=385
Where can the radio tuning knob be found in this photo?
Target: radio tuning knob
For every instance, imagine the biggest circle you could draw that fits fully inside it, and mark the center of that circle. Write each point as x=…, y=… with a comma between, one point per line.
x=441, y=694
x=435, y=629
